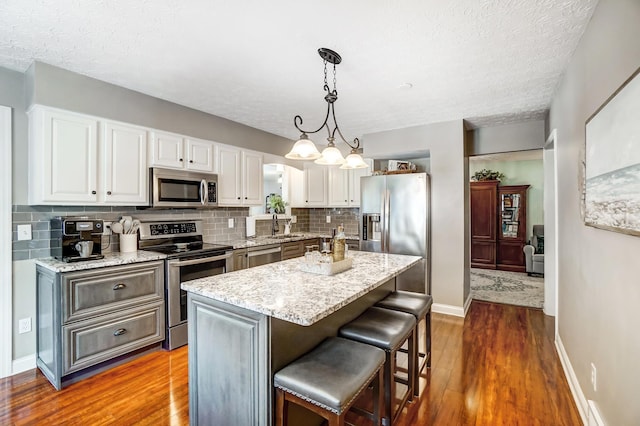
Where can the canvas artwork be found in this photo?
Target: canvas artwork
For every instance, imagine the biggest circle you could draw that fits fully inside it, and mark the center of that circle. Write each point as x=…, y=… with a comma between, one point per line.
x=612, y=187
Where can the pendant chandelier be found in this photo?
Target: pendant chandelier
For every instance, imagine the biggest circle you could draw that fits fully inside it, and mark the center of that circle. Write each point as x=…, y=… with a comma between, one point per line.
x=305, y=149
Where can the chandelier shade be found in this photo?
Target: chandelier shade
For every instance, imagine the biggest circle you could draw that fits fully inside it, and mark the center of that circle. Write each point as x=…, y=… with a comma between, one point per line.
x=303, y=149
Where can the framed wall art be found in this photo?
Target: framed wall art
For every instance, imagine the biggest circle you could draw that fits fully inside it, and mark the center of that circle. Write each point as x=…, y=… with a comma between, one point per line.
x=612, y=161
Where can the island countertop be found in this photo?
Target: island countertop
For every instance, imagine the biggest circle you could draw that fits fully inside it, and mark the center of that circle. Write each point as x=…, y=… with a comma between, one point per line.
x=283, y=291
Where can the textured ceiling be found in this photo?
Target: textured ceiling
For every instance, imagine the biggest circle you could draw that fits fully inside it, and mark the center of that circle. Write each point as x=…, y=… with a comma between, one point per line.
x=255, y=62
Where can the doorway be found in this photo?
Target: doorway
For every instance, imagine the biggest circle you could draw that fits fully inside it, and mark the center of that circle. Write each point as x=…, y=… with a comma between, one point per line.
x=495, y=276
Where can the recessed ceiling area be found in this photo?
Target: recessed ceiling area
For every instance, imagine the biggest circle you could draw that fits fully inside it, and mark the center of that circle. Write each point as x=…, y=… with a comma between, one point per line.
x=489, y=62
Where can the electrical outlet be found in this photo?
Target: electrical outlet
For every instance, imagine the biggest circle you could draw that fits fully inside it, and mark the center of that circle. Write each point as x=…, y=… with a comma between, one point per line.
x=107, y=228
x=24, y=232
x=594, y=377
x=328, y=219
x=294, y=219
x=231, y=225
x=24, y=325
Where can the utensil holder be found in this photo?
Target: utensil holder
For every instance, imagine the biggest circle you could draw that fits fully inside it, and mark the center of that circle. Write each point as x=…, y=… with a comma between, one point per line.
x=128, y=243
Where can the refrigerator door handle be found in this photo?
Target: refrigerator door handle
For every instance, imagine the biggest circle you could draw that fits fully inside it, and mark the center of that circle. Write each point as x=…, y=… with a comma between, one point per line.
x=383, y=229
x=387, y=224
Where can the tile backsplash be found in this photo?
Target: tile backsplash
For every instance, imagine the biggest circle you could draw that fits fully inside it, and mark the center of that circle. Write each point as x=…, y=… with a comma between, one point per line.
x=215, y=224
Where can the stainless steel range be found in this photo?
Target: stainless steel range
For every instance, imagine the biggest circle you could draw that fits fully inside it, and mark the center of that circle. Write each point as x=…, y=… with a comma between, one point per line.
x=189, y=258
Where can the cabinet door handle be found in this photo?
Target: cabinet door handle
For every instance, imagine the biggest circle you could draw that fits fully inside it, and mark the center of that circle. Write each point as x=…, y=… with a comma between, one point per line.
x=191, y=161
x=108, y=192
x=119, y=286
x=120, y=332
x=238, y=198
x=245, y=198
x=93, y=192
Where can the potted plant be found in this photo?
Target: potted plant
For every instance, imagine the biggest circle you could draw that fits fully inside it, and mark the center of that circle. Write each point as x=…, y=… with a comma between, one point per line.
x=277, y=204
x=487, y=174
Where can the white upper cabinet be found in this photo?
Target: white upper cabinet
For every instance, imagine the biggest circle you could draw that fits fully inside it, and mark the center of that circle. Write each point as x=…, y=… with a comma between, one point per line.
x=178, y=152
x=239, y=177
x=200, y=154
x=63, y=157
x=354, y=184
x=75, y=159
x=252, y=182
x=338, y=187
x=125, y=164
x=315, y=180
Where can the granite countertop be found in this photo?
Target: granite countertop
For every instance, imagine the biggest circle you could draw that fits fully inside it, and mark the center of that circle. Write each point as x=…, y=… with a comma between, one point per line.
x=110, y=259
x=283, y=291
x=267, y=239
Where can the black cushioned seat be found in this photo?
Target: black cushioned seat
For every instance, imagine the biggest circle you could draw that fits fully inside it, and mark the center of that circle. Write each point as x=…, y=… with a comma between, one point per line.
x=380, y=327
x=331, y=377
x=419, y=305
x=388, y=330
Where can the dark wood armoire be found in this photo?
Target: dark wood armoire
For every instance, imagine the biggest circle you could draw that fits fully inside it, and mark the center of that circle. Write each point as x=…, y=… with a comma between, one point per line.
x=498, y=225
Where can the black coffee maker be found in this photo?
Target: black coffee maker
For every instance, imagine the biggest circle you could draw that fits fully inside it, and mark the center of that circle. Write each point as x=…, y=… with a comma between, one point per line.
x=75, y=239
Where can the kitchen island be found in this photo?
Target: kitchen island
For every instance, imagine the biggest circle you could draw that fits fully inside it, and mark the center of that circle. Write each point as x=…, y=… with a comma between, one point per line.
x=246, y=325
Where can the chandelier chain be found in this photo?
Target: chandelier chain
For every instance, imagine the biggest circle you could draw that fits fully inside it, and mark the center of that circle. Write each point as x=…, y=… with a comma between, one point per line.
x=334, y=79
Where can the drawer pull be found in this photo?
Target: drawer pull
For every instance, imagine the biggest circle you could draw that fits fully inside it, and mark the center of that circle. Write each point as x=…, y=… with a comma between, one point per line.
x=119, y=286
x=120, y=332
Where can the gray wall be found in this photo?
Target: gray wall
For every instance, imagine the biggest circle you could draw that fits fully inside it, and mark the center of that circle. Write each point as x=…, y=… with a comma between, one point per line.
x=510, y=137
x=445, y=143
x=12, y=85
x=598, y=286
x=47, y=85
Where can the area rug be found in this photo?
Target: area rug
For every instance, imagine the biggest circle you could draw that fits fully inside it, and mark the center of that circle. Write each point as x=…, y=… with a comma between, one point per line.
x=512, y=288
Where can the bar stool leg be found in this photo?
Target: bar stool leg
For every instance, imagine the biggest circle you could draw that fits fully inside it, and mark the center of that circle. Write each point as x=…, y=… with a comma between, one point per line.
x=282, y=408
x=427, y=330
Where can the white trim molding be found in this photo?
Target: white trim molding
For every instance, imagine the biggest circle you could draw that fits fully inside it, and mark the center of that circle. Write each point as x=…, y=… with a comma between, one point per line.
x=456, y=311
x=6, y=230
x=574, y=385
x=23, y=364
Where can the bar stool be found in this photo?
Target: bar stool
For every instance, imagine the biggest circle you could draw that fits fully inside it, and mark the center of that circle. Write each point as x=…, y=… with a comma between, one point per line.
x=419, y=305
x=387, y=330
x=329, y=379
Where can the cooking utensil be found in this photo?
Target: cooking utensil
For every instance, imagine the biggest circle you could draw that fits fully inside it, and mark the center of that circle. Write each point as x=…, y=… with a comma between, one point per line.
x=127, y=226
x=116, y=227
x=135, y=225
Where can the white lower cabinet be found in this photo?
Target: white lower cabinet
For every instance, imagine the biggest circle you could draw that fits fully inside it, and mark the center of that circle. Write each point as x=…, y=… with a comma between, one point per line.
x=76, y=159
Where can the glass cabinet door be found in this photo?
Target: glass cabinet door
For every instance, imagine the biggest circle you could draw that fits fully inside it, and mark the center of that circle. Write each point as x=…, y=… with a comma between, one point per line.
x=510, y=215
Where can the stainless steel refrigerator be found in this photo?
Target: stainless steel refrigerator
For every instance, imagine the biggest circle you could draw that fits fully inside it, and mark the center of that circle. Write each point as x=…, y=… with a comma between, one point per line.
x=394, y=218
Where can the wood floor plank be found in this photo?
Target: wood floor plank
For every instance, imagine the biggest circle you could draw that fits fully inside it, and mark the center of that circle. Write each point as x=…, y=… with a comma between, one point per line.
x=497, y=366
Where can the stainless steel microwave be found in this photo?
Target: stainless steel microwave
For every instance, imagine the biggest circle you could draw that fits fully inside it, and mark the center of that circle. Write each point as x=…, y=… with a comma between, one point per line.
x=178, y=189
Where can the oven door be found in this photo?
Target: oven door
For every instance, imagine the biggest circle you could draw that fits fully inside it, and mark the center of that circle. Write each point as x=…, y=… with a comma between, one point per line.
x=190, y=268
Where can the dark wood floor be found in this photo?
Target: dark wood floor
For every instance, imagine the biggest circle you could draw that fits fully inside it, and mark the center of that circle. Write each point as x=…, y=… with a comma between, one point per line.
x=496, y=367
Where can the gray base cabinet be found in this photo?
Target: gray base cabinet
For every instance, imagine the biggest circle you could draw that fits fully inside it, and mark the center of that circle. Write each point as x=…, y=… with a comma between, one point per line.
x=229, y=365
x=87, y=318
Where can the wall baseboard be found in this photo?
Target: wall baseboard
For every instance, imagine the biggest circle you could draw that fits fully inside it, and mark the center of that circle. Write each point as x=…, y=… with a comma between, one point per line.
x=23, y=364
x=574, y=385
x=456, y=311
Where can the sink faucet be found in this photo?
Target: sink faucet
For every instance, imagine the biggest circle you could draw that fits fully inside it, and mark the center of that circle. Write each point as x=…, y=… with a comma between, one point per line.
x=274, y=225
